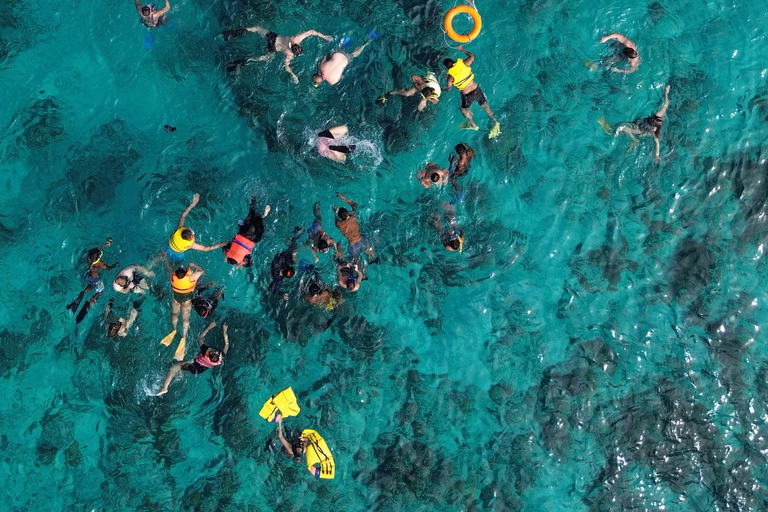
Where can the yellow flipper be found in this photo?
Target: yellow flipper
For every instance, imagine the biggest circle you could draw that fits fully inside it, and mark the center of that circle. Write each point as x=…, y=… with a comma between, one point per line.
x=169, y=338
x=284, y=402
x=319, y=453
x=180, y=350
x=495, y=131
x=467, y=126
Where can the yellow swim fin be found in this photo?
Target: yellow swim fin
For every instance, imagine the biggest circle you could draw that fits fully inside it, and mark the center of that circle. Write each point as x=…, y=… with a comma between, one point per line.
x=168, y=339
x=180, y=350
x=319, y=453
x=284, y=402
x=495, y=131
x=466, y=126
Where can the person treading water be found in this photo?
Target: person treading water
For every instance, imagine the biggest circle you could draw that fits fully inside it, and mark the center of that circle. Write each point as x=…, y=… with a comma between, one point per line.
x=626, y=52
x=460, y=74
x=332, y=67
x=150, y=16
x=427, y=87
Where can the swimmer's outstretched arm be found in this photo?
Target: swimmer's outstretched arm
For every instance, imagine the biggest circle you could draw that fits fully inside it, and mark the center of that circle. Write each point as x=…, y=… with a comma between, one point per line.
x=164, y=9
x=297, y=39
x=470, y=56
x=658, y=148
x=206, y=248
x=138, y=5
x=288, y=59
x=197, y=274
x=620, y=38
x=403, y=92
x=348, y=201
x=448, y=84
x=144, y=270
x=226, y=339
x=195, y=200
x=283, y=441
x=131, y=318
x=201, y=337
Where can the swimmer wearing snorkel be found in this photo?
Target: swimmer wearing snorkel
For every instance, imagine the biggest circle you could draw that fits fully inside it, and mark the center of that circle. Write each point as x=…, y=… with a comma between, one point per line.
x=460, y=74
x=453, y=237
x=332, y=67
x=627, y=52
x=427, y=87
x=151, y=17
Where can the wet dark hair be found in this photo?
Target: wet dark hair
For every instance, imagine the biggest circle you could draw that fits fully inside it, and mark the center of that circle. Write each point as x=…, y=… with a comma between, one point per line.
x=146, y=10
x=435, y=177
x=213, y=355
x=93, y=255
x=297, y=49
x=448, y=63
x=203, y=308
x=181, y=272
x=113, y=329
x=231, y=261
x=298, y=450
x=125, y=278
x=657, y=121
x=322, y=244
x=187, y=234
x=629, y=53
x=351, y=283
x=460, y=148
x=427, y=91
x=454, y=243
x=314, y=289
x=343, y=213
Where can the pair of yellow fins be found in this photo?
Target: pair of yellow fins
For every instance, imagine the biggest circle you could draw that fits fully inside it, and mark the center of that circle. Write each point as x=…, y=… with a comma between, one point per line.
x=318, y=452
x=180, y=350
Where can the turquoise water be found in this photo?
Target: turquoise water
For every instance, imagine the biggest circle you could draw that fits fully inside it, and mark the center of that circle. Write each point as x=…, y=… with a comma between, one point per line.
x=598, y=345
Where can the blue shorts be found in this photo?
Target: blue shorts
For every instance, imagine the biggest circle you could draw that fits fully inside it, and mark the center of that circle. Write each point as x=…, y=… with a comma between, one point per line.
x=315, y=230
x=175, y=258
x=358, y=247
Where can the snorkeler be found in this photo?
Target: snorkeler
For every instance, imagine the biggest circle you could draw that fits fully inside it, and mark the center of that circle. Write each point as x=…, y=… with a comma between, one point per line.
x=332, y=67
x=92, y=278
x=347, y=223
x=336, y=152
x=205, y=305
x=296, y=447
x=207, y=358
x=289, y=45
x=317, y=293
x=349, y=274
x=453, y=237
x=460, y=74
x=317, y=238
x=183, y=281
x=118, y=326
x=432, y=175
x=249, y=233
x=427, y=86
x=627, y=52
x=183, y=239
x=150, y=16
x=132, y=279
x=645, y=126
x=307, y=445
x=282, y=266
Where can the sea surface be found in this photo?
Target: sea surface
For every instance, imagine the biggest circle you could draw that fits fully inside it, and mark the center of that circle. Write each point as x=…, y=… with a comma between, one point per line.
x=598, y=345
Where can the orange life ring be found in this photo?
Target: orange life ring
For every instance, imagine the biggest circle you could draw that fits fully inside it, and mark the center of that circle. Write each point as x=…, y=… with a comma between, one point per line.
x=448, y=24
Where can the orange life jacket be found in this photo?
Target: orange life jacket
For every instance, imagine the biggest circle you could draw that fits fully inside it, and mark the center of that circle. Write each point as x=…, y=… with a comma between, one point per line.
x=239, y=248
x=183, y=285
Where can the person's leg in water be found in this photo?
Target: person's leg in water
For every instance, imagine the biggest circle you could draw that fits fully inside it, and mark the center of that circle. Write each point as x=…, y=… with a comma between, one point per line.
x=466, y=112
x=359, y=50
x=339, y=131
x=87, y=307
x=186, y=309
x=318, y=214
x=175, y=307
x=175, y=369
x=72, y=306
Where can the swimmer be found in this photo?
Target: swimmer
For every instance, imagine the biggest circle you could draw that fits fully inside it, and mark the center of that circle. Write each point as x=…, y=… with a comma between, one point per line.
x=318, y=239
x=336, y=152
x=150, y=16
x=296, y=447
x=460, y=74
x=319, y=294
x=643, y=127
x=249, y=233
x=282, y=267
x=349, y=274
x=207, y=358
x=183, y=281
x=203, y=305
x=332, y=67
x=452, y=238
x=427, y=87
x=118, y=326
x=627, y=52
x=289, y=45
x=132, y=279
x=92, y=277
x=183, y=239
x=433, y=176
x=347, y=223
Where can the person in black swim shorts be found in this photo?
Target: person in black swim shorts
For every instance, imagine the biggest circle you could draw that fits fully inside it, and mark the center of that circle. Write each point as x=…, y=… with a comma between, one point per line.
x=460, y=74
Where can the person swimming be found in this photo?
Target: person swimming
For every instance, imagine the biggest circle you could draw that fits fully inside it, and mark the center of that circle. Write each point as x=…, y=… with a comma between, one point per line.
x=332, y=67
x=150, y=16
x=349, y=274
x=317, y=293
x=645, y=126
x=119, y=326
x=206, y=359
x=627, y=52
x=460, y=74
x=453, y=237
x=183, y=239
x=427, y=87
x=92, y=280
x=317, y=238
x=433, y=176
x=183, y=282
x=283, y=264
x=205, y=305
x=290, y=46
x=250, y=231
x=329, y=147
x=347, y=223
x=132, y=279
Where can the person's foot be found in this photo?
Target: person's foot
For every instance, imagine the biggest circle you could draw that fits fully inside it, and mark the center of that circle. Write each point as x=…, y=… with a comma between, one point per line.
x=468, y=126
x=161, y=392
x=267, y=209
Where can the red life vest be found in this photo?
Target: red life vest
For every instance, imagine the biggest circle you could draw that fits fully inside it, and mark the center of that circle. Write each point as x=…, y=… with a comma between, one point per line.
x=202, y=360
x=239, y=248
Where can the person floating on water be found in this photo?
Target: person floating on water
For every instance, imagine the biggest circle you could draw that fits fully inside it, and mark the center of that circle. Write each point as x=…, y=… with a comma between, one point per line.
x=205, y=305
x=460, y=74
x=453, y=237
x=307, y=446
x=132, y=279
x=150, y=16
x=626, y=52
x=283, y=263
x=317, y=238
x=349, y=274
x=296, y=446
x=329, y=145
x=433, y=175
x=332, y=67
x=183, y=283
x=92, y=279
x=643, y=127
x=249, y=233
x=206, y=359
x=118, y=326
x=427, y=87
x=347, y=223
x=317, y=293
x=289, y=45
x=183, y=239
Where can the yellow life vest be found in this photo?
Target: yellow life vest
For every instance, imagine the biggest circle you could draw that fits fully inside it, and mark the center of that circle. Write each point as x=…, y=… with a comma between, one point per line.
x=461, y=73
x=284, y=401
x=177, y=243
x=183, y=285
x=319, y=453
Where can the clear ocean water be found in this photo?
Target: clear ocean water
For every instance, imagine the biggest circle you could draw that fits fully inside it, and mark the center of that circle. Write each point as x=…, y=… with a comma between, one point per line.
x=598, y=345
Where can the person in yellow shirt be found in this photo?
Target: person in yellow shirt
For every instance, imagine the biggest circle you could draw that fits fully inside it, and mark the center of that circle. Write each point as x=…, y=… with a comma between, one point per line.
x=460, y=74
x=183, y=239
